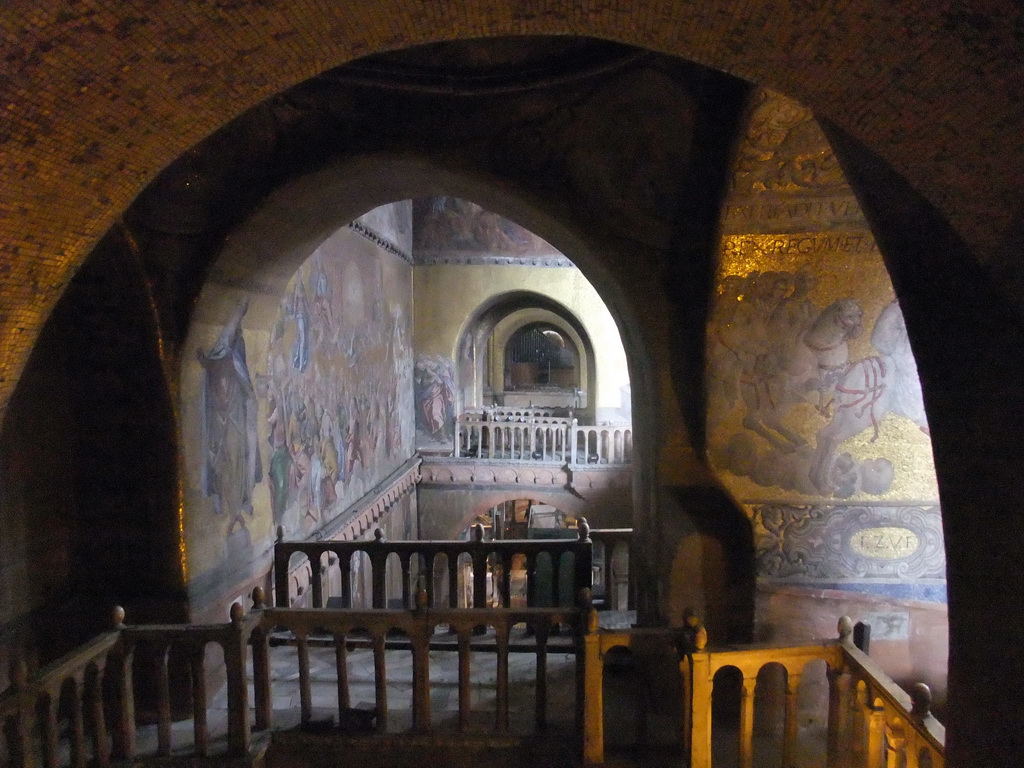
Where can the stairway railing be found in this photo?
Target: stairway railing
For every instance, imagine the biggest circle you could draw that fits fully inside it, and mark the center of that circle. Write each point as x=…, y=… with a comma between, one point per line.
x=871, y=721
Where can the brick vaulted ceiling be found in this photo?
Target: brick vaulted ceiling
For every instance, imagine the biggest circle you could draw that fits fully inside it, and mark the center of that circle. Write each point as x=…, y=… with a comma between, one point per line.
x=98, y=96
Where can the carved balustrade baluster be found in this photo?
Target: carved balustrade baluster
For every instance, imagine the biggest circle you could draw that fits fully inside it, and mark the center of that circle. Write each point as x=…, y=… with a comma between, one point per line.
x=405, y=560
x=501, y=630
x=50, y=729
x=305, y=692
x=420, y=641
x=542, y=629
x=895, y=743
x=465, y=698
x=345, y=566
x=505, y=582
x=100, y=735
x=235, y=655
x=196, y=660
x=378, y=565
x=746, y=731
x=453, y=580
x=380, y=680
x=789, y=739
x=282, y=557
x=839, y=721
x=20, y=740
x=874, y=722
x=341, y=665
x=119, y=663
x=163, y=700
x=260, y=641
x=316, y=571
x=479, y=568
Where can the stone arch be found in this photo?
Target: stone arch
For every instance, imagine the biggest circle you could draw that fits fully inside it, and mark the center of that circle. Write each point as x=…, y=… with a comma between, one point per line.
x=530, y=306
x=99, y=179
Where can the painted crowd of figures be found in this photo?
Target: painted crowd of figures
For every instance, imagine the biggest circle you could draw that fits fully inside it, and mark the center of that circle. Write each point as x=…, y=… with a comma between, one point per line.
x=335, y=394
x=771, y=350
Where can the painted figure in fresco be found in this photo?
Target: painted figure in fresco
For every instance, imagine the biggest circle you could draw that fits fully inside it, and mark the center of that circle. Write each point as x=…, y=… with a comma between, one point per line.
x=300, y=313
x=231, y=458
x=868, y=390
x=279, y=473
x=435, y=396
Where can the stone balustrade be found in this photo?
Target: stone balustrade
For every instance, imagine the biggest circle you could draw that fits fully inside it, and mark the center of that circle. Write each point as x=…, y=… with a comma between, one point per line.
x=544, y=439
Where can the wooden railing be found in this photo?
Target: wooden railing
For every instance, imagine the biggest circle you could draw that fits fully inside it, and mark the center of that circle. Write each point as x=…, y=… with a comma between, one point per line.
x=616, y=571
x=416, y=627
x=57, y=715
x=553, y=439
x=418, y=562
x=871, y=721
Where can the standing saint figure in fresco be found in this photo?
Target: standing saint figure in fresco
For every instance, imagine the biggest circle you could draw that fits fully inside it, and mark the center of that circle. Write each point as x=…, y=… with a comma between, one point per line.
x=300, y=313
x=231, y=458
x=435, y=396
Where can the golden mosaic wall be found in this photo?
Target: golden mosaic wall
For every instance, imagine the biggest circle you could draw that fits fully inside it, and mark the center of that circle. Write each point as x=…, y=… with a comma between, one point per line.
x=814, y=398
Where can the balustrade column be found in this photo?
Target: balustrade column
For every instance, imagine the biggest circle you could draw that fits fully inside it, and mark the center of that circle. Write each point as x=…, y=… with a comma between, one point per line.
x=316, y=583
x=700, y=739
x=120, y=663
x=593, y=693
x=163, y=704
x=51, y=732
x=341, y=664
x=790, y=734
x=838, y=713
x=23, y=741
x=874, y=720
x=501, y=631
x=541, y=686
x=895, y=744
x=420, y=646
x=235, y=655
x=281, y=557
x=380, y=682
x=746, y=734
x=305, y=692
x=465, y=700
x=201, y=732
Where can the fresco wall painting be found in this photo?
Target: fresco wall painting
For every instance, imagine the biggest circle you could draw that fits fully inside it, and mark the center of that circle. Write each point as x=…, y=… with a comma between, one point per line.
x=339, y=385
x=305, y=404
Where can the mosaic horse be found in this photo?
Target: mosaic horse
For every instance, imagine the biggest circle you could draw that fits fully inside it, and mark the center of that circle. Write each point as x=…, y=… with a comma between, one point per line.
x=802, y=368
x=869, y=390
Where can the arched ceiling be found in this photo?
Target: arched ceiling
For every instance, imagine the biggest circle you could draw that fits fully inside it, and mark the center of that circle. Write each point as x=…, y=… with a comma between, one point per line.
x=99, y=96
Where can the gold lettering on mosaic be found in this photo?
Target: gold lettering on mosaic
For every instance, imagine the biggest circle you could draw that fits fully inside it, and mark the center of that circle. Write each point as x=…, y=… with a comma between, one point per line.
x=885, y=542
x=754, y=246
